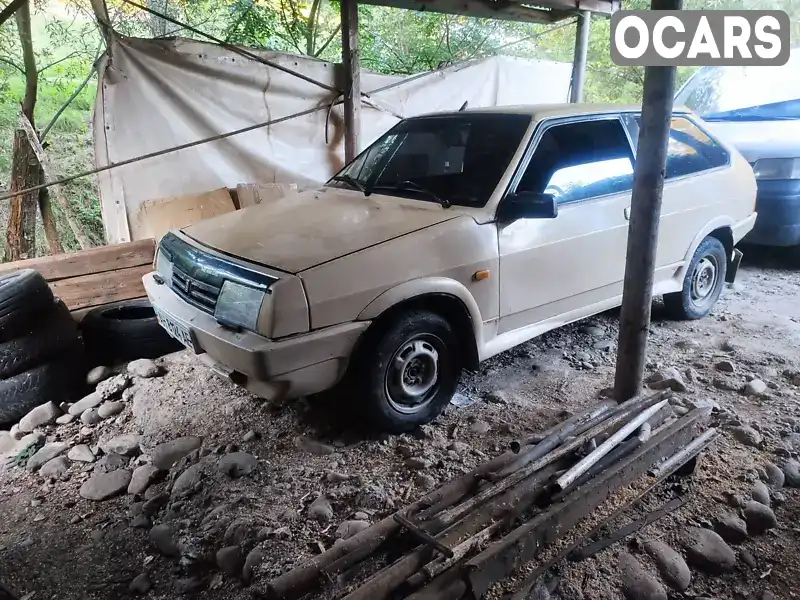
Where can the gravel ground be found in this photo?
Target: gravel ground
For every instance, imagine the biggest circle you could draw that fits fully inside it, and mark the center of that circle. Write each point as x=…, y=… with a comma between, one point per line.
x=275, y=483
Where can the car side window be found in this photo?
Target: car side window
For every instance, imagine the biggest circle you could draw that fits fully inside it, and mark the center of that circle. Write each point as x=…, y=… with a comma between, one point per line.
x=580, y=160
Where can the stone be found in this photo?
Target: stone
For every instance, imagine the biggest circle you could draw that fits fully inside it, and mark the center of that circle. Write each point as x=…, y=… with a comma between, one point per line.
x=141, y=521
x=126, y=445
x=779, y=498
x=102, y=486
x=254, y=558
x=747, y=436
x=669, y=378
x=459, y=447
x=350, y=528
x=313, y=446
x=91, y=401
x=110, y=462
x=792, y=441
x=90, y=417
x=725, y=366
x=40, y=416
x=45, y=454
x=593, y=330
x=140, y=585
x=755, y=388
x=747, y=558
x=144, y=368
x=163, y=538
x=165, y=455
x=761, y=493
x=671, y=565
x=250, y=436
x=237, y=464
x=724, y=384
x=637, y=582
x=109, y=409
x=143, y=476
x=791, y=473
x=188, y=585
x=55, y=467
x=112, y=387
x=708, y=551
x=336, y=477
x=417, y=463
x=731, y=528
x=498, y=397
x=759, y=518
x=154, y=504
x=700, y=403
x=65, y=419
x=424, y=481
x=320, y=509
x=374, y=497
x=230, y=560
x=187, y=481
x=687, y=344
x=239, y=532
x=480, y=427
x=405, y=450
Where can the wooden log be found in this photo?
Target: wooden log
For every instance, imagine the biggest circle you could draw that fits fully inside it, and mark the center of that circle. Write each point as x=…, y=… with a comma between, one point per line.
x=423, y=536
x=49, y=222
x=101, y=288
x=21, y=231
x=351, y=63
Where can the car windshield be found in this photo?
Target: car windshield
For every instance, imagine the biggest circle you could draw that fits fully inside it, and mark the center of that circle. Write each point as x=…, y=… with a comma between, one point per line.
x=450, y=159
x=745, y=93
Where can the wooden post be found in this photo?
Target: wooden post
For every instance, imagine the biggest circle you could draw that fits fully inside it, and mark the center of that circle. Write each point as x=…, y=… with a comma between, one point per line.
x=351, y=63
x=648, y=184
x=579, y=59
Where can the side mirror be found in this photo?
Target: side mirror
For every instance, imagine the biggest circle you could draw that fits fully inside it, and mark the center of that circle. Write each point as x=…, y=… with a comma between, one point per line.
x=527, y=205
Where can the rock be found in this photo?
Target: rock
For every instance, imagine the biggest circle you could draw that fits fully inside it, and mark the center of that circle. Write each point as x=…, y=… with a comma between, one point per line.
x=766, y=595
x=724, y=384
x=141, y=583
x=144, y=368
x=761, y=493
x=91, y=401
x=497, y=397
x=603, y=345
x=320, y=509
x=55, y=467
x=687, y=344
x=313, y=446
x=480, y=427
x=112, y=387
x=102, y=486
x=708, y=551
x=779, y=498
x=230, y=560
x=747, y=436
x=680, y=410
x=350, y=528
x=143, y=477
x=755, y=388
x=141, y=521
x=374, y=497
x=110, y=462
x=81, y=453
x=669, y=378
x=187, y=585
x=593, y=330
x=154, y=504
x=45, y=454
x=759, y=518
x=109, y=409
x=165, y=455
x=65, y=419
x=90, y=417
x=237, y=464
x=187, y=481
x=674, y=570
x=725, y=366
x=637, y=583
x=747, y=558
x=792, y=441
x=417, y=464
x=405, y=450
x=459, y=447
x=336, y=477
x=699, y=403
x=250, y=436
x=39, y=417
x=97, y=375
x=791, y=473
x=163, y=538
x=731, y=528
x=239, y=532
x=253, y=560
x=425, y=481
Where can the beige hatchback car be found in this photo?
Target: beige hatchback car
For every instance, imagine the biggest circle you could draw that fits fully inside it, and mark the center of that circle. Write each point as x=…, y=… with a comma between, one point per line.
x=450, y=239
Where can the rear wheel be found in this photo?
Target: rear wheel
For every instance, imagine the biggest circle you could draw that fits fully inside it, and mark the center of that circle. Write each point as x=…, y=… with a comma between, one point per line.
x=702, y=284
x=408, y=371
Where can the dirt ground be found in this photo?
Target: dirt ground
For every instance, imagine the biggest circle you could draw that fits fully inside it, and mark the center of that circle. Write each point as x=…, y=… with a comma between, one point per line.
x=54, y=544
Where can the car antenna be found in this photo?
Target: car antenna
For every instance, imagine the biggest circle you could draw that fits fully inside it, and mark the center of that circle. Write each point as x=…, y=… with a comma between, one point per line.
x=463, y=106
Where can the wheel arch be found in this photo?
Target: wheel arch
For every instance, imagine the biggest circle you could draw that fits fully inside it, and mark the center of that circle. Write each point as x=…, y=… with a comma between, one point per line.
x=720, y=228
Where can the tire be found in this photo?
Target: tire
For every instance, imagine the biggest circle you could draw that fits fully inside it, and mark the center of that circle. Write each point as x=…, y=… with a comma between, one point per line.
x=57, y=381
x=418, y=344
x=702, y=284
x=43, y=342
x=125, y=331
x=24, y=294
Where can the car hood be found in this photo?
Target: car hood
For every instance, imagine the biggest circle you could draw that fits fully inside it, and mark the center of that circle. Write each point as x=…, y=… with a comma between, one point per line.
x=303, y=230
x=760, y=139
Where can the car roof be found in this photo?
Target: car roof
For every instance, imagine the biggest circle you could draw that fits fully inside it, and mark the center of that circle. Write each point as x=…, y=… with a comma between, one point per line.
x=541, y=111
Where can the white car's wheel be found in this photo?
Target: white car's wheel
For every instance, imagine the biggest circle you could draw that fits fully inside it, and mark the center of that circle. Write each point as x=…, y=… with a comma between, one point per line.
x=702, y=284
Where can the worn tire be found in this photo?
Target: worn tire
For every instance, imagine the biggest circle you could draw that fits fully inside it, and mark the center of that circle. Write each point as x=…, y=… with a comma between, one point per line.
x=684, y=305
x=24, y=295
x=374, y=375
x=125, y=331
x=44, y=340
x=58, y=381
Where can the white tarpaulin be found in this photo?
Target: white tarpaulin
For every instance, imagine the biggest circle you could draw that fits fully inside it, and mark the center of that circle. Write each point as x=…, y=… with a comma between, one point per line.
x=157, y=94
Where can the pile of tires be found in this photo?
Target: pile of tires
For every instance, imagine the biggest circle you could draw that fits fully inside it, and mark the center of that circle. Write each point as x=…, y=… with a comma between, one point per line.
x=41, y=353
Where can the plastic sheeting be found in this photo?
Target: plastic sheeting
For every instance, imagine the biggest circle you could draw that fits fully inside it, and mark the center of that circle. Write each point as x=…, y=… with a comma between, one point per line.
x=157, y=94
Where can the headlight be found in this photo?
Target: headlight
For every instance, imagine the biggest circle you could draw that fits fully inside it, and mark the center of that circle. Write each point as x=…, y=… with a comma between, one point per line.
x=777, y=168
x=164, y=266
x=238, y=306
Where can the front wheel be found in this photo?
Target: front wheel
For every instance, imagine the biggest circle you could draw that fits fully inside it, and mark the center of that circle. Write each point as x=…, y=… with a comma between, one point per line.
x=407, y=373
x=702, y=284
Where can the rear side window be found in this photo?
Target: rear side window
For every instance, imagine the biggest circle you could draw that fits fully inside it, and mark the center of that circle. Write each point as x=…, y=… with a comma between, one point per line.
x=577, y=161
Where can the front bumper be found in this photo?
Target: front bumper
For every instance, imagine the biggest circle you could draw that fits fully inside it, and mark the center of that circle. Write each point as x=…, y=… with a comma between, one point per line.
x=778, y=208
x=294, y=366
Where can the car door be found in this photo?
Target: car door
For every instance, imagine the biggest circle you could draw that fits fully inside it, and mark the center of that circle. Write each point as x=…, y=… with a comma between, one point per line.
x=560, y=269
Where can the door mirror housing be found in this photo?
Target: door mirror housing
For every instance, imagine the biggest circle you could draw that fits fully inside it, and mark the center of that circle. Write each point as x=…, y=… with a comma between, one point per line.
x=527, y=205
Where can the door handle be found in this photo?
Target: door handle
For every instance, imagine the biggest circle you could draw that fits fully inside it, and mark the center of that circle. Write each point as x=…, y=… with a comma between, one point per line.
x=627, y=213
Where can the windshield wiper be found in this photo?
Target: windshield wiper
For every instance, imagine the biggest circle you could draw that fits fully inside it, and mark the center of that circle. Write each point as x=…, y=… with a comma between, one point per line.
x=415, y=187
x=351, y=181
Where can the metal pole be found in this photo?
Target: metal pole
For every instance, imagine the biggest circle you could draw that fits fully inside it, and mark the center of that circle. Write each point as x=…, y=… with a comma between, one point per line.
x=579, y=60
x=648, y=184
x=352, y=78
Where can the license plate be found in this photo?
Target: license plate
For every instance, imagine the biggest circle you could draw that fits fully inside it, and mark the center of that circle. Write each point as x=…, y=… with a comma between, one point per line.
x=177, y=330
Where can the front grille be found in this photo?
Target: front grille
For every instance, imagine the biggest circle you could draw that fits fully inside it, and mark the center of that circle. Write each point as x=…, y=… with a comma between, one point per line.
x=198, y=293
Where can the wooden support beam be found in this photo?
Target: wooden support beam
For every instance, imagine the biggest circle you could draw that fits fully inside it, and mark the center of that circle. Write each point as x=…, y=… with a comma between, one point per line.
x=10, y=9
x=351, y=64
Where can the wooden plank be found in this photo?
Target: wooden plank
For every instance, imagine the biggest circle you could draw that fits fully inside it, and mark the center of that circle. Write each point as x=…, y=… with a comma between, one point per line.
x=351, y=63
x=88, y=262
x=160, y=216
x=101, y=288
